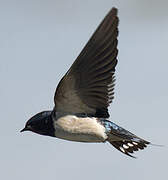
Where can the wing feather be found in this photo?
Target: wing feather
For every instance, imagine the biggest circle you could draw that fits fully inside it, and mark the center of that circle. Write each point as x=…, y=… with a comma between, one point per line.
x=88, y=86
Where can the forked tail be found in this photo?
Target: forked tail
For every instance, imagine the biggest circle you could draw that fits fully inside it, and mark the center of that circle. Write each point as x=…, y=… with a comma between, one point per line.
x=123, y=140
x=128, y=146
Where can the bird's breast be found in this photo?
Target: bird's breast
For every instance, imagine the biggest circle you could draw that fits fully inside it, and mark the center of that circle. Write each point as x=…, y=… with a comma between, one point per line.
x=82, y=129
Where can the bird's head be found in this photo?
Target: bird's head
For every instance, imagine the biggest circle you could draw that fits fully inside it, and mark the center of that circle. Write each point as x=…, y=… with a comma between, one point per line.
x=41, y=123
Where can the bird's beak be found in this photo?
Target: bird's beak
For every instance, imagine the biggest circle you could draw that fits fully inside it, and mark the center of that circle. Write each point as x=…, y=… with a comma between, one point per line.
x=24, y=129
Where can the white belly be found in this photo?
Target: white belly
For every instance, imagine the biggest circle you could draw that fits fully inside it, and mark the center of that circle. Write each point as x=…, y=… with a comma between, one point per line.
x=79, y=129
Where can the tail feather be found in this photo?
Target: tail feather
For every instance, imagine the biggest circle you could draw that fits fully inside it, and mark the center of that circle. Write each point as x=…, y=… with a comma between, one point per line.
x=123, y=140
x=128, y=147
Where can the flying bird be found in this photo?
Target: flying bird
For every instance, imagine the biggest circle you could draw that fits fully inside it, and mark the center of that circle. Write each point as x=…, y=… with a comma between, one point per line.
x=84, y=94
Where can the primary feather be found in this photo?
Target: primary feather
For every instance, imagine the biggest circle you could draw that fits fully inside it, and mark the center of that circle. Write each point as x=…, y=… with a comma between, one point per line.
x=88, y=86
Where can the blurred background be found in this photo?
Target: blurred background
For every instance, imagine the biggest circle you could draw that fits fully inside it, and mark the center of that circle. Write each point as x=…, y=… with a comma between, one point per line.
x=39, y=40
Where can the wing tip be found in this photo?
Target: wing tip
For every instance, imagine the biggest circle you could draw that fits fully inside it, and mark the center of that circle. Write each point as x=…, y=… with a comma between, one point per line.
x=112, y=13
x=114, y=10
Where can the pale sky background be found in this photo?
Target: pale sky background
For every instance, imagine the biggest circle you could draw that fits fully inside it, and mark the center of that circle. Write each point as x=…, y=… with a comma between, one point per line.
x=39, y=40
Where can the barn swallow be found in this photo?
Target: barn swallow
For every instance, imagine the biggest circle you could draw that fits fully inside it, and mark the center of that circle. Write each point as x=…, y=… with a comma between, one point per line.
x=84, y=93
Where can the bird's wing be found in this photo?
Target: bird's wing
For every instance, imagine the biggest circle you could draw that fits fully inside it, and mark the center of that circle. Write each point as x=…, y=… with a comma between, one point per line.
x=88, y=86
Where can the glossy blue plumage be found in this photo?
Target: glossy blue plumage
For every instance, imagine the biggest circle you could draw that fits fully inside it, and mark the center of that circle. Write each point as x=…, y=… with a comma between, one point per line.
x=115, y=130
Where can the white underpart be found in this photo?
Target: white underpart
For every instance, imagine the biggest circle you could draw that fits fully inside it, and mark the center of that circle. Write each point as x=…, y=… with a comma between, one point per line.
x=74, y=128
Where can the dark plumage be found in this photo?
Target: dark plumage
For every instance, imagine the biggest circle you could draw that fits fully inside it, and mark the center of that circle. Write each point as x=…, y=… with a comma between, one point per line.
x=84, y=94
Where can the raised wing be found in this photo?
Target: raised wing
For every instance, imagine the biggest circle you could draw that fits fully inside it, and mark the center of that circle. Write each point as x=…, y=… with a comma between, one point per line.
x=88, y=86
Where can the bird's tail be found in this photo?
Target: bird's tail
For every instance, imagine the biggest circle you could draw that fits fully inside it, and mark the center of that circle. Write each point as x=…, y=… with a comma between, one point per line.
x=128, y=146
x=123, y=140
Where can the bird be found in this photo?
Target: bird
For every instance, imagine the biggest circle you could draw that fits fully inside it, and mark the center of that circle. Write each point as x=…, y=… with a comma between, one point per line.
x=83, y=96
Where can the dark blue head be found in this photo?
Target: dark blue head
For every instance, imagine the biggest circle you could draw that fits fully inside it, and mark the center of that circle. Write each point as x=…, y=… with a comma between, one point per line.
x=41, y=123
